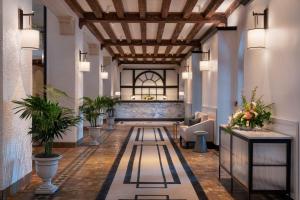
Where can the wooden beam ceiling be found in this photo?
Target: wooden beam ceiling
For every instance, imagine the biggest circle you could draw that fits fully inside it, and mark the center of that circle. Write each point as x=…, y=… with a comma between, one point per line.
x=143, y=17
x=152, y=43
x=149, y=56
x=118, y=4
x=151, y=17
x=149, y=62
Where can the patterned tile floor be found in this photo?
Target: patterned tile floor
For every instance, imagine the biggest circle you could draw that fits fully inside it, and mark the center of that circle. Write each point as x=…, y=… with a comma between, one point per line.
x=83, y=169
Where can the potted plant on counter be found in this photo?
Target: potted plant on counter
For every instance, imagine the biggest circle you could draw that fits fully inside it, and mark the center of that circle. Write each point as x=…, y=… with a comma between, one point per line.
x=91, y=110
x=110, y=103
x=49, y=122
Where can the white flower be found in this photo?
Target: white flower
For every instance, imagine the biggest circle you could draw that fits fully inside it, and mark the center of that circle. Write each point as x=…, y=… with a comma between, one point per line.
x=237, y=114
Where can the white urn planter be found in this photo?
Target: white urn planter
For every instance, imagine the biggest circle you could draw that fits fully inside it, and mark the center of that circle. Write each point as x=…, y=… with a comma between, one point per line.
x=110, y=123
x=46, y=169
x=95, y=135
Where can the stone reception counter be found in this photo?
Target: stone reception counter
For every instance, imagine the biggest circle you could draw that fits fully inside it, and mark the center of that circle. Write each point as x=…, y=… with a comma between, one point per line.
x=150, y=110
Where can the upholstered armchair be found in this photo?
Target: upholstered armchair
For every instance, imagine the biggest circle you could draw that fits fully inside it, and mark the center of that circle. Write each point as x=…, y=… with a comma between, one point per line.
x=187, y=138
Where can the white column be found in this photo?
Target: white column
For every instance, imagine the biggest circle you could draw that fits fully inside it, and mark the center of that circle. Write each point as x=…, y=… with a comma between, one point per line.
x=62, y=68
x=196, y=84
x=15, y=84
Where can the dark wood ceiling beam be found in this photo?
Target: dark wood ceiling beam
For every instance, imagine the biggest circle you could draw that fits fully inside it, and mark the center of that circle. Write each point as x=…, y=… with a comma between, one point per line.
x=151, y=17
x=75, y=7
x=156, y=47
x=188, y=8
x=118, y=4
x=212, y=7
x=149, y=62
x=177, y=31
x=160, y=31
x=233, y=7
x=94, y=5
x=149, y=56
x=193, y=32
x=135, y=42
x=142, y=8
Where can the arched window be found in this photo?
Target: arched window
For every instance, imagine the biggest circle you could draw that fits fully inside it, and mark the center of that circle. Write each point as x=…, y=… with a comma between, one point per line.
x=149, y=85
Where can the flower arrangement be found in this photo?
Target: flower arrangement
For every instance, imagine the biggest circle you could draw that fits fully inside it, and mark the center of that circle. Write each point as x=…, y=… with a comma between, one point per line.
x=148, y=98
x=252, y=114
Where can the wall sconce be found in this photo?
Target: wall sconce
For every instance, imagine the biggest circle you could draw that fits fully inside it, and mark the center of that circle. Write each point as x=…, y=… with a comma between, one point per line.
x=103, y=74
x=205, y=61
x=30, y=38
x=133, y=97
x=118, y=94
x=84, y=66
x=256, y=36
x=187, y=75
x=181, y=93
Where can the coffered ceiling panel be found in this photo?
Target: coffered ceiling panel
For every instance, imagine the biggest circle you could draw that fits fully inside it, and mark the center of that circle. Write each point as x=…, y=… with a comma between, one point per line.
x=224, y=6
x=107, y=6
x=168, y=30
x=154, y=5
x=150, y=49
x=131, y=5
x=135, y=30
x=118, y=30
x=101, y=30
x=177, y=5
x=151, y=30
x=186, y=30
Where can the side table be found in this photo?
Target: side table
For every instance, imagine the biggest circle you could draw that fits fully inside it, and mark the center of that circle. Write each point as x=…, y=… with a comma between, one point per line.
x=200, y=143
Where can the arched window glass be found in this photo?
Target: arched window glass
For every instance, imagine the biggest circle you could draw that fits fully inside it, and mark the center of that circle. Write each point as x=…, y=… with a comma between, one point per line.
x=149, y=85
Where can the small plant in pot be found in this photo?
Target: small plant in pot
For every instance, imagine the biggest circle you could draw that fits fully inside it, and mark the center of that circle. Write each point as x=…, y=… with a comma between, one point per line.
x=49, y=122
x=110, y=103
x=91, y=110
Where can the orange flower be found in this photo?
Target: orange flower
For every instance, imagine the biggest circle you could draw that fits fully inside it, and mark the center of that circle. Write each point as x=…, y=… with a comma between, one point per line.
x=247, y=115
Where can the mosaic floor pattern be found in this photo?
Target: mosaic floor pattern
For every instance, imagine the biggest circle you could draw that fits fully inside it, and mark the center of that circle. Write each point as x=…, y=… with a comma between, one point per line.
x=150, y=166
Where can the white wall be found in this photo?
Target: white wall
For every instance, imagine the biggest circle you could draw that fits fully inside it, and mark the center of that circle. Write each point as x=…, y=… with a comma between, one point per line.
x=62, y=67
x=16, y=83
x=275, y=69
x=210, y=78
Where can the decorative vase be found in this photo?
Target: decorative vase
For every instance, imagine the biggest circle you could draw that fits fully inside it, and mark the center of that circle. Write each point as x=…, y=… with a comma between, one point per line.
x=46, y=169
x=95, y=135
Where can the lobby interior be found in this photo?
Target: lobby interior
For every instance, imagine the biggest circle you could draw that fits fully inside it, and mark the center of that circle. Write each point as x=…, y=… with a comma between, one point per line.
x=154, y=99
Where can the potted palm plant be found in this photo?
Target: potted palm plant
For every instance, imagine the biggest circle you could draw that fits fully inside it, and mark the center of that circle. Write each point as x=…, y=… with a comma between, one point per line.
x=110, y=103
x=91, y=110
x=49, y=122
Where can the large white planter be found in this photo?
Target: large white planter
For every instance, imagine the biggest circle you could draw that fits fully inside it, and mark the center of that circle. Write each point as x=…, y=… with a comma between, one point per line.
x=95, y=135
x=46, y=169
x=110, y=123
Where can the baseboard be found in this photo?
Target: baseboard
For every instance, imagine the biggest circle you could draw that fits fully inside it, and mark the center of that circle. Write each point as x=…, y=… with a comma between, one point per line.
x=149, y=119
x=15, y=187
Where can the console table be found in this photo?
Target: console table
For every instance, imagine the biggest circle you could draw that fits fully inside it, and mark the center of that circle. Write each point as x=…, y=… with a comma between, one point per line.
x=260, y=161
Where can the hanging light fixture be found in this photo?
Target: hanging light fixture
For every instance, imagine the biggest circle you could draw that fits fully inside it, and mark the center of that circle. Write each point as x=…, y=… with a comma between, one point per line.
x=187, y=75
x=205, y=61
x=84, y=66
x=103, y=74
x=256, y=36
x=30, y=38
x=117, y=93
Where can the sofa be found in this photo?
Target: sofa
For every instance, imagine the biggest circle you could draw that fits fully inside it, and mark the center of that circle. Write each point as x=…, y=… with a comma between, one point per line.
x=187, y=138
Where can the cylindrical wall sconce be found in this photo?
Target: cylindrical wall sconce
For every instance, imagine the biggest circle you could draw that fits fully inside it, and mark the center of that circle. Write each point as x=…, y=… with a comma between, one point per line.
x=84, y=66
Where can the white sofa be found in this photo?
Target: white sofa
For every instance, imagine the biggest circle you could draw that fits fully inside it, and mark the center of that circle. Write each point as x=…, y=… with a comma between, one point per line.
x=187, y=138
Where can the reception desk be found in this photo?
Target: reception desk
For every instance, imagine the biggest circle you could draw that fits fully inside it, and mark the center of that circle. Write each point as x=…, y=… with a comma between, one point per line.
x=150, y=110
x=259, y=160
